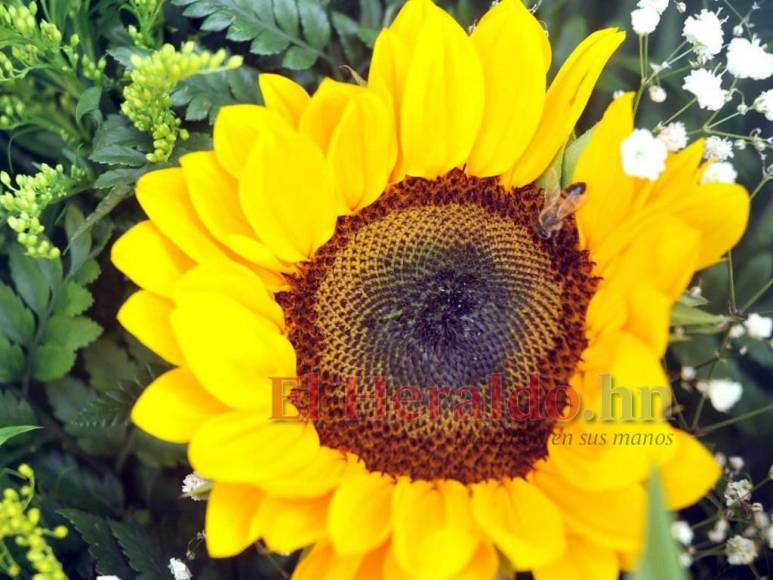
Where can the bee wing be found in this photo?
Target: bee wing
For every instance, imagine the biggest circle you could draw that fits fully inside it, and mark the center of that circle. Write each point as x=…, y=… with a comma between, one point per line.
x=569, y=205
x=552, y=188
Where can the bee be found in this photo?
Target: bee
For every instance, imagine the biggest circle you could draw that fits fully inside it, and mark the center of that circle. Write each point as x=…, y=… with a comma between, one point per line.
x=559, y=204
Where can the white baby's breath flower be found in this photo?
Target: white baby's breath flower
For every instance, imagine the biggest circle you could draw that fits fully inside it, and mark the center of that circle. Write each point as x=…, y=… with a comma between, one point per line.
x=108, y=578
x=720, y=172
x=643, y=155
x=644, y=21
x=685, y=560
x=749, y=59
x=718, y=533
x=618, y=93
x=688, y=373
x=658, y=6
x=681, y=7
x=657, y=94
x=704, y=33
x=722, y=393
x=194, y=486
x=759, y=327
x=764, y=104
x=682, y=532
x=707, y=88
x=737, y=331
x=740, y=551
x=718, y=149
x=736, y=462
x=738, y=491
x=673, y=136
x=179, y=570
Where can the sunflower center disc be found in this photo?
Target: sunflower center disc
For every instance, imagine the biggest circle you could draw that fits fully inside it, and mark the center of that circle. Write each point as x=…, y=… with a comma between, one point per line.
x=425, y=320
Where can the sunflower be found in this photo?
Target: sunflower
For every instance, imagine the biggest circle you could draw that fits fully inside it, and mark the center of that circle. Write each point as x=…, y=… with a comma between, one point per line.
x=382, y=246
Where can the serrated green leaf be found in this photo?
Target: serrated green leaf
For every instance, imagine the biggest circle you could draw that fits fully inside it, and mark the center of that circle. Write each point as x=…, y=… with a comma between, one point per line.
x=7, y=433
x=142, y=550
x=117, y=138
x=11, y=361
x=73, y=300
x=102, y=545
x=72, y=332
x=660, y=560
x=72, y=484
x=298, y=58
x=51, y=362
x=683, y=315
x=108, y=364
x=204, y=95
x=88, y=102
x=16, y=321
x=87, y=273
x=316, y=25
x=29, y=280
x=271, y=26
x=109, y=408
x=15, y=411
x=159, y=454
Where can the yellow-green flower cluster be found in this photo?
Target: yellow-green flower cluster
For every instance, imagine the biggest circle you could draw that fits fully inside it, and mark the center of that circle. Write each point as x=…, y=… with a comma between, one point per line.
x=148, y=13
x=21, y=524
x=148, y=102
x=22, y=203
x=12, y=110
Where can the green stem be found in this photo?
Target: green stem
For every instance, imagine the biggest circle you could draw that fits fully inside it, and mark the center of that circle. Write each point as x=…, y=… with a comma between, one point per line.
x=731, y=282
x=756, y=296
x=734, y=420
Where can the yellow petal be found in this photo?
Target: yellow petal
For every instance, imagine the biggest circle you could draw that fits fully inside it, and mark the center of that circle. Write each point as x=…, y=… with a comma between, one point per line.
x=363, y=503
x=443, y=98
x=174, y=407
x=483, y=565
x=288, y=196
x=565, y=101
x=690, y=473
x=609, y=191
x=325, y=110
x=147, y=317
x=322, y=563
x=287, y=525
x=318, y=477
x=388, y=71
x=648, y=318
x=508, y=40
x=582, y=560
x=231, y=350
x=164, y=197
x=246, y=447
x=283, y=95
x=231, y=510
x=132, y=254
x=363, y=151
x=433, y=532
x=720, y=211
x=235, y=281
x=523, y=523
x=236, y=131
x=614, y=519
x=681, y=175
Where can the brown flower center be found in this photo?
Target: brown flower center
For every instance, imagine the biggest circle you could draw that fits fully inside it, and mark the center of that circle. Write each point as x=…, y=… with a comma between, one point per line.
x=426, y=320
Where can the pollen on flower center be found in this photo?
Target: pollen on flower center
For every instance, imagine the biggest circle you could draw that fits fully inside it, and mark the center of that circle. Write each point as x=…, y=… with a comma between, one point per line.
x=440, y=288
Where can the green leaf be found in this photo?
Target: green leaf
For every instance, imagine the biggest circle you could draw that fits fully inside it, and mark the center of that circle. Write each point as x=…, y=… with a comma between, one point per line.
x=660, y=560
x=29, y=280
x=688, y=300
x=7, y=433
x=87, y=273
x=107, y=364
x=117, y=142
x=109, y=408
x=683, y=315
x=15, y=411
x=51, y=362
x=11, y=361
x=72, y=332
x=88, y=102
x=73, y=299
x=142, y=550
x=271, y=26
x=16, y=320
x=298, y=58
x=316, y=25
x=103, y=547
x=120, y=176
x=204, y=95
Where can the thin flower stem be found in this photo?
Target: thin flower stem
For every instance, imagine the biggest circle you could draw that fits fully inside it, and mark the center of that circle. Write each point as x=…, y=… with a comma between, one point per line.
x=723, y=120
x=702, y=403
x=756, y=296
x=759, y=187
x=734, y=420
x=680, y=111
x=731, y=282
